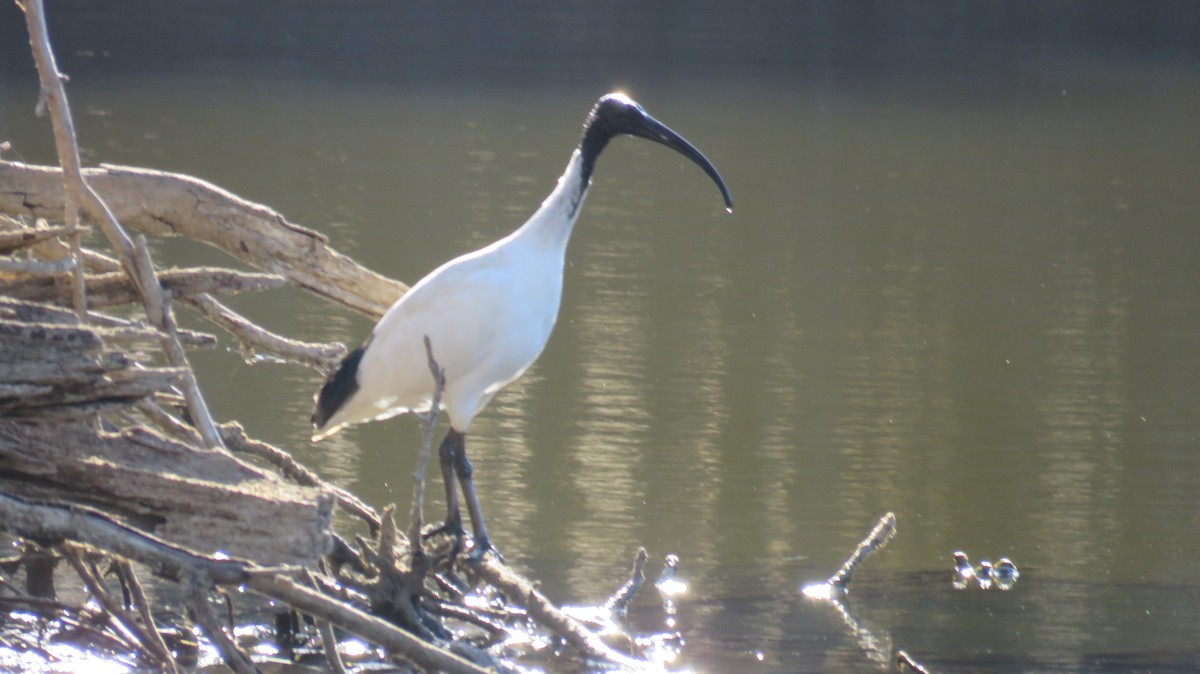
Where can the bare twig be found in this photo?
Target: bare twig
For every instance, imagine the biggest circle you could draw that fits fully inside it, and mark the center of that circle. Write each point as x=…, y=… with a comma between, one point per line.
x=330, y=643
x=40, y=520
x=254, y=338
x=15, y=235
x=417, y=557
x=168, y=422
x=38, y=267
x=78, y=289
x=906, y=663
x=145, y=638
x=115, y=288
x=143, y=607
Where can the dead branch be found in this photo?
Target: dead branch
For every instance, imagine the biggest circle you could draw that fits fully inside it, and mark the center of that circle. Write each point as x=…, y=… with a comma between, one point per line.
x=197, y=587
x=329, y=644
x=9, y=265
x=363, y=624
x=323, y=357
x=152, y=645
x=207, y=499
x=237, y=440
x=88, y=525
x=14, y=235
x=541, y=609
x=143, y=608
x=115, y=289
x=171, y=204
x=418, y=563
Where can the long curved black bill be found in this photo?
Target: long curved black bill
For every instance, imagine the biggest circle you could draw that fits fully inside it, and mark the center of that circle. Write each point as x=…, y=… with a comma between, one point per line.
x=652, y=129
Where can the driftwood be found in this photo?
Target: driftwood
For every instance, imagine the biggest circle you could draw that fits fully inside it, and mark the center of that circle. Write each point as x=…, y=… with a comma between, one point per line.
x=170, y=204
x=115, y=289
x=107, y=455
x=206, y=500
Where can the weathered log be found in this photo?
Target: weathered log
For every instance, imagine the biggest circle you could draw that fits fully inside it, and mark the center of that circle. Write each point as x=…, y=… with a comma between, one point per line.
x=203, y=500
x=64, y=370
x=45, y=520
x=169, y=204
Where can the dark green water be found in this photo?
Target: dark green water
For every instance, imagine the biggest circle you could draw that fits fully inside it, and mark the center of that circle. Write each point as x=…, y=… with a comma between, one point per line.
x=960, y=284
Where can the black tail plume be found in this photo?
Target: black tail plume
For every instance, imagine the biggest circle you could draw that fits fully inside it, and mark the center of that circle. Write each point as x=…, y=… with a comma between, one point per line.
x=338, y=388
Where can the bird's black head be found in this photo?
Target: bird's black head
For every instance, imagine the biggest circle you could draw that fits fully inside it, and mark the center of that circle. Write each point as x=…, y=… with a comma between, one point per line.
x=615, y=114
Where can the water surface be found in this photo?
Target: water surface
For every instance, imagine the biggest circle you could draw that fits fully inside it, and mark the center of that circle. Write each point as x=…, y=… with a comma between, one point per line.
x=960, y=284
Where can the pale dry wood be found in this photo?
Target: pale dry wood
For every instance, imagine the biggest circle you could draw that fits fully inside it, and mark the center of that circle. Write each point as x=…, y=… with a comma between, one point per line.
x=255, y=339
x=171, y=204
x=12, y=265
x=417, y=559
x=205, y=500
x=15, y=235
x=77, y=192
x=236, y=439
x=41, y=519
x=65, y=369
x=114, y=289
x=541, y=609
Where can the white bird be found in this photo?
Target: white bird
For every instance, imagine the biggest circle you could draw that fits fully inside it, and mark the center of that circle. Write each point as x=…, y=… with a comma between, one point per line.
x=487, y=314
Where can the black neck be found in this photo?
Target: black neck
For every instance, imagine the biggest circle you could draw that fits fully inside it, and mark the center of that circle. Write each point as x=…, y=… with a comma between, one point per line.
x=596, y=135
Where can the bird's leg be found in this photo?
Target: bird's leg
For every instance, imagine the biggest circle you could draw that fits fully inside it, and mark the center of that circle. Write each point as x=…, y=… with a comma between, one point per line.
x=462, y=465
x=447, y=454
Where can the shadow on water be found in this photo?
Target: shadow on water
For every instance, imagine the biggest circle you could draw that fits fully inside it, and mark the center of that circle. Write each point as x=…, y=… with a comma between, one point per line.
x=960, y=285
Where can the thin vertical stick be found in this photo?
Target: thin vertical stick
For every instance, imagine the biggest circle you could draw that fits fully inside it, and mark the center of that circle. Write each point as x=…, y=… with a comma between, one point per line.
x=155, y=647
x=136, y=263
x=329, y=641
x=197, y=594
x=430, y=424
x=143, y=607
x=79, y=290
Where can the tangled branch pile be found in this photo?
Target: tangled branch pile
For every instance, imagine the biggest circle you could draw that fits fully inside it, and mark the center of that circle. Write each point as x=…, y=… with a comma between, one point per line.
x=108, y=452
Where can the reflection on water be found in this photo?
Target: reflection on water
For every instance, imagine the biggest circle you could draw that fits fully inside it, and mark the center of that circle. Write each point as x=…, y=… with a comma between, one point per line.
x=960, y=285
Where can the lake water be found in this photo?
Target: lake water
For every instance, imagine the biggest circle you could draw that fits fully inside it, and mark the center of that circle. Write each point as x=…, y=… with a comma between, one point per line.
x=960, y=283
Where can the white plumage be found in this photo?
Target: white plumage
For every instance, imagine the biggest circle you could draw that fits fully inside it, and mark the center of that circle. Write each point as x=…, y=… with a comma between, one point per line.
x=488, y=315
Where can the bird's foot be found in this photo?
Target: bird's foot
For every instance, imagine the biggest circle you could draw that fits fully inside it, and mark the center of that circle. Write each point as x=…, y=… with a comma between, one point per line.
x=452, y=527
x=480, y=548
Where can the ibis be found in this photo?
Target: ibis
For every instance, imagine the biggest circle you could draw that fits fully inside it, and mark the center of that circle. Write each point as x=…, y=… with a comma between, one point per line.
x=487, y=315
